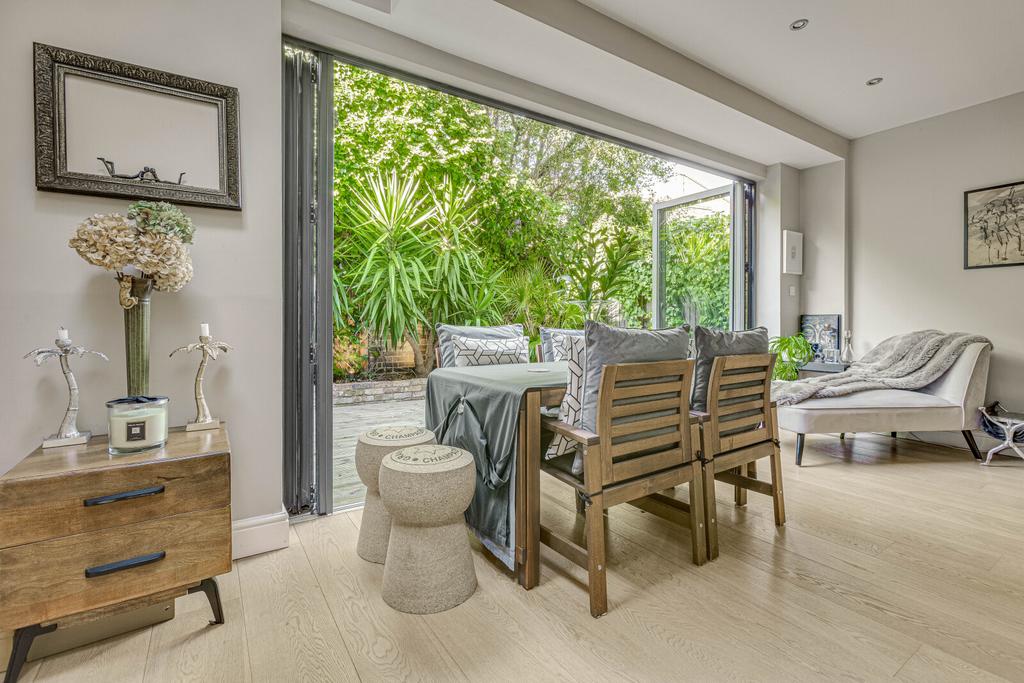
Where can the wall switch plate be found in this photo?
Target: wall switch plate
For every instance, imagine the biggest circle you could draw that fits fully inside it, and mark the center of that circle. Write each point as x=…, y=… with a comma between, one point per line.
x=792, y=290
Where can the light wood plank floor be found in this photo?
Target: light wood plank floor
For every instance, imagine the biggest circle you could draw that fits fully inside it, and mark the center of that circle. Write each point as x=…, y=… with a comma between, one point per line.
x=899, y=561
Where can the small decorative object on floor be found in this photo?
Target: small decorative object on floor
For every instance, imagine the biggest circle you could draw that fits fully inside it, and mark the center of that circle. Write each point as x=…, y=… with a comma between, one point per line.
x=847, y=355
x=136, y=423
x=67, y=434
x=371, y=448
x=1000, y=423
x=210, y=349
x=147, y=251
x=429, y=567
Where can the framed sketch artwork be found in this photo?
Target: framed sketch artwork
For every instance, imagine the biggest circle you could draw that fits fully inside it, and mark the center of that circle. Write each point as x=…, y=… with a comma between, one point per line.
x=994, y=226
x=119, y=130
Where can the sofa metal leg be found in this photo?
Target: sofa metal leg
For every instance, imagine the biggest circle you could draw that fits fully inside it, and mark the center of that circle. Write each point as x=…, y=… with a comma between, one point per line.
x=842, y=436
x=799, y=449
x=972, y=444
x=892, y=434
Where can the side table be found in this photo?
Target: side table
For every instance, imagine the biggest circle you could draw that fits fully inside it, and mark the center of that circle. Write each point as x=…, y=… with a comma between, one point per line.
x=84, y=534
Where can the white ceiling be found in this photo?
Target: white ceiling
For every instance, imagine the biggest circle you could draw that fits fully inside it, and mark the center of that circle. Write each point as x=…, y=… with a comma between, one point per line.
x=491, y=34
x=936, y=55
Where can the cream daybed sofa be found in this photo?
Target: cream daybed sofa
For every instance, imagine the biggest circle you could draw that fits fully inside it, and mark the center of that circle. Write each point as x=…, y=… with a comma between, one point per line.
x=950, y=403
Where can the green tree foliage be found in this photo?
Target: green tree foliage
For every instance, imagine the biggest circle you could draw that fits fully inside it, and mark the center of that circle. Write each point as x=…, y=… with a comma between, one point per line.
x=448, y=210
x=696, y=253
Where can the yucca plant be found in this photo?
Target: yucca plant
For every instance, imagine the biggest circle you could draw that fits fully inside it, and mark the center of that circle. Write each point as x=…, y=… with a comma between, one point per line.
x=791, y=353
x=389, y=249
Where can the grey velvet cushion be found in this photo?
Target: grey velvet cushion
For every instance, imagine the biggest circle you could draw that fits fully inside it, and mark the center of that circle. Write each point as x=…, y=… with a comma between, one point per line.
x=610, y=345
x=713, y=343
x=445, y=332
x=549, y=349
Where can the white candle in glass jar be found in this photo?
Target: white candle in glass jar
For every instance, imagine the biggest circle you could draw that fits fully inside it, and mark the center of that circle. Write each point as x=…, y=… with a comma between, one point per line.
x=136, y=426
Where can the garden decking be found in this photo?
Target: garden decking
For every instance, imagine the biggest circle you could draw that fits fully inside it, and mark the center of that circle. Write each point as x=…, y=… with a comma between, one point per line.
x=349, y=422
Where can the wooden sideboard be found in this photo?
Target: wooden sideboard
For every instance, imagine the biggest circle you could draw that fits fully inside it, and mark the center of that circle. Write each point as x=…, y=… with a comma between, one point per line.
x=84, y=534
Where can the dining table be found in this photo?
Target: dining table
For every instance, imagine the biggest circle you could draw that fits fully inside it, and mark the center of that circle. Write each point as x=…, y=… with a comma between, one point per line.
x=495, y=413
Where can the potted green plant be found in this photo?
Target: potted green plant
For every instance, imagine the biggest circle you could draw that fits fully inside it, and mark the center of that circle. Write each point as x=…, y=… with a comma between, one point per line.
x=792, y=353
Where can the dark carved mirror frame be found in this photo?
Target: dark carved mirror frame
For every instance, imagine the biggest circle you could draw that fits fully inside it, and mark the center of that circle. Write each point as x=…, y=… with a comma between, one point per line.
x=53, y=64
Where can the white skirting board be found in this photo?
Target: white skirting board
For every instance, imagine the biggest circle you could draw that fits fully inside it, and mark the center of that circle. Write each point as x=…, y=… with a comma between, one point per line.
x=260, y=534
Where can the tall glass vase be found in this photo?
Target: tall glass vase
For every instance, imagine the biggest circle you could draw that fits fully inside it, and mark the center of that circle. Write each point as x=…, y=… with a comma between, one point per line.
x=136, y=333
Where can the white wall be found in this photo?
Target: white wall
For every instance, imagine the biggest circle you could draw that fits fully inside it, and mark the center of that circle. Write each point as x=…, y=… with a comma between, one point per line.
x=237, y=255
x=823, y=223
x=778, y=209
x=906, y=239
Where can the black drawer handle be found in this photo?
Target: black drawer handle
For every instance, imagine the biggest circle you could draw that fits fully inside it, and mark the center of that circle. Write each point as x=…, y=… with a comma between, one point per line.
x=121, y=565
x=125, y=495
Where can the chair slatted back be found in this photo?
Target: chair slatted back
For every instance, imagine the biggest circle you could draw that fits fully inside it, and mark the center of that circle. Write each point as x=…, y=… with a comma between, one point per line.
x=643, y=418
x=739, y=403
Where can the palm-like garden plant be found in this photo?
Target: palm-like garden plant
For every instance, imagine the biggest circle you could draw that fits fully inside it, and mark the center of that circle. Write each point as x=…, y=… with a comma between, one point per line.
x=388, y=252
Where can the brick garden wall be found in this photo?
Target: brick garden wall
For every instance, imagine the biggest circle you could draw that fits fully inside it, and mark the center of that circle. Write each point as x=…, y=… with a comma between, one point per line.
x=374, y=392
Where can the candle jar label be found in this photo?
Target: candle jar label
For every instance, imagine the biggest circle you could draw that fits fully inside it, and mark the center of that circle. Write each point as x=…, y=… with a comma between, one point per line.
x=136, y=431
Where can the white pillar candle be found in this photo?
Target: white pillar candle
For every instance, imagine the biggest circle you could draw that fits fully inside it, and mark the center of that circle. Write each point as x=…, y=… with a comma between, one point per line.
x=62, y=334
x=204, y=329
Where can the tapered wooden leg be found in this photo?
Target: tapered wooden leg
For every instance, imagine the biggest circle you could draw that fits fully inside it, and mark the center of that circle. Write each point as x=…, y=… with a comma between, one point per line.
x=596, y=580
x=739, y=494
x=698, y=539
x=710, y=510
x=778, y=503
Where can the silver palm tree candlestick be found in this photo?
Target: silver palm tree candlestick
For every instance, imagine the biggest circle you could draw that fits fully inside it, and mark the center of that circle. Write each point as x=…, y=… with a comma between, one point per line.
x=67, y=434
x=210, y=349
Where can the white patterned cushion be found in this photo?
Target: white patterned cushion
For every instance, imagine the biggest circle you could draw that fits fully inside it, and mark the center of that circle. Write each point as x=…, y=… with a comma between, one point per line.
x=572, y=348
x=470, y=352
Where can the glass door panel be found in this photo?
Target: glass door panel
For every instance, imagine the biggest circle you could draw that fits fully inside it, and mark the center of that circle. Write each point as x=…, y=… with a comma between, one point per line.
x=694, y=257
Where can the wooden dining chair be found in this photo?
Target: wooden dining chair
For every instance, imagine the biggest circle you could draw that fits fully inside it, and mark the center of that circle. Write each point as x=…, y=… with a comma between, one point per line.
x=739, y=429
x=643, y=445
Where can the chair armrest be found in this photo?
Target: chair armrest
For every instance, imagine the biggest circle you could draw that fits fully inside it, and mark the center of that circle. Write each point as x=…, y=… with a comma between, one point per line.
x=580, y=436
x=699, y=416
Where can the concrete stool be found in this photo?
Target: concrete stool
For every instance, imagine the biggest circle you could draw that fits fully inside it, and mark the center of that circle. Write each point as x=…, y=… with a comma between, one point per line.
x=429, y=567
x=371, y=447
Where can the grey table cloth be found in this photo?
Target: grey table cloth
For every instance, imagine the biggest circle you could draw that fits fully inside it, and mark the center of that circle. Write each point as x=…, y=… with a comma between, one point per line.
x=477, y=409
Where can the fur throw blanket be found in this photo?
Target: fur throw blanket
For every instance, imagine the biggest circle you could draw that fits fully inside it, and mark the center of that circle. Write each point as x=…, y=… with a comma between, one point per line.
x=906, y=361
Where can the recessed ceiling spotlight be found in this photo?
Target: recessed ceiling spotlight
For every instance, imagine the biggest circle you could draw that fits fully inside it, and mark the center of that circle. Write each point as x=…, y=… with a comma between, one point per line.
x=799, y=24
x=874, y=81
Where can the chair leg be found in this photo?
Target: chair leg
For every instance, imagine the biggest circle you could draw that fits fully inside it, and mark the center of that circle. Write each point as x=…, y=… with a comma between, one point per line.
x=698, y=540
x=597, y=582
x=778, y=503
x=799, y=449
x=739, y=494
x=972, y=444
x=710, y=510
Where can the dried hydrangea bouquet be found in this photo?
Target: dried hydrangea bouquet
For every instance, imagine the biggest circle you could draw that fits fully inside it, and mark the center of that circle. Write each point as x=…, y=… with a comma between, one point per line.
x=147, y=250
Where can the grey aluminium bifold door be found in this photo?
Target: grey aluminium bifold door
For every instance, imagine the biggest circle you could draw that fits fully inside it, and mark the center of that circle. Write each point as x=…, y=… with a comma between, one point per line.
x=307, y=114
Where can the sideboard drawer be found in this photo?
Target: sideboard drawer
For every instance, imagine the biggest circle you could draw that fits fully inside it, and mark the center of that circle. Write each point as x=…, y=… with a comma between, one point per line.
x=40, y=582
x=34, y=509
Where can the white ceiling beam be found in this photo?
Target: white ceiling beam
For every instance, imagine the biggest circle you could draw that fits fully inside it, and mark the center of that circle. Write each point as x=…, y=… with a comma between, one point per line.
x=312, y=22
x=598, y=30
